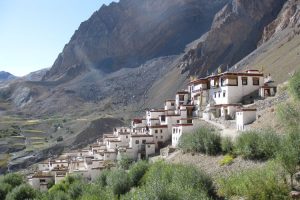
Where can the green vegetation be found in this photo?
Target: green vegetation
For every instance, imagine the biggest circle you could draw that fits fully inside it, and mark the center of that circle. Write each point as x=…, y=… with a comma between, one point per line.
x=258, y=145
x=22, y=192
x=227, y=145
x=204, y=140
x=264, y=183
x=11, y=185
x=294, y=86
x=227, y=160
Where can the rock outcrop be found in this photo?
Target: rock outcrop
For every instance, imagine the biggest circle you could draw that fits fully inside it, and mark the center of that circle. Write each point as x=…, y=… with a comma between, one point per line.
x=288, y=20
x=235, y=32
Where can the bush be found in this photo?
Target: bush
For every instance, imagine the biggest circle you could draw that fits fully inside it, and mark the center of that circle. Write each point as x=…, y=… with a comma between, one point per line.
x=118, y=181
x=258, y=145
x=294, y=86
x=76, y=189
x=137, y=171
x=13, y=179
x=204, y=140
x=227, y=145
x=227, y=160
x=4, y=190
x=102, y=178
x=22, y=192
x=167, y=181
x=125, y=163
x=289, y=155
x=263, y=183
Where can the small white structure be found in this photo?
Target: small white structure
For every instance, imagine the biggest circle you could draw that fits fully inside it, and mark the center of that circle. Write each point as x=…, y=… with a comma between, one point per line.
x=245, y=116
x=267, y=91
x=178, y=130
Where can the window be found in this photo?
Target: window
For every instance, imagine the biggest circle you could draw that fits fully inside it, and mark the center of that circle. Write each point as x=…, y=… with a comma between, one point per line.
x=156, y=131
x=222, y=81
x=219, y=94
x=156, y=137
x=160, y=130
x=255, y=81
x=224, y=93
x=148, y=146
x=181, y=97
x=42, y=180
x=215, y=95
x=137, y=142
x=144, y=141
x=162, y=137
x=126, y=136
x=172, y=104
x=178, y=121
x=189, y=121
x=244, y=80
x=163, y=118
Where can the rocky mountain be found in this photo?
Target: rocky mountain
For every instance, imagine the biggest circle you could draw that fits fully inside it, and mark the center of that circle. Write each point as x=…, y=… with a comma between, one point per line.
x=37, y=75
x=235, y=32
x=278, y=51
x=128, y=33
x=134, y=54
x=5, y=76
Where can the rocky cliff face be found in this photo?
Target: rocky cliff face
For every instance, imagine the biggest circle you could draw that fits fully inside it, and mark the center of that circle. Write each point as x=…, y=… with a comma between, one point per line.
x=235, y=32
x=278, y=50
x=128, y=33
x=288, y=20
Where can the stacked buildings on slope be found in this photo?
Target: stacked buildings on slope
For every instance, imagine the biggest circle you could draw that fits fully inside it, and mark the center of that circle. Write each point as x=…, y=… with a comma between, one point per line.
x=217, y=96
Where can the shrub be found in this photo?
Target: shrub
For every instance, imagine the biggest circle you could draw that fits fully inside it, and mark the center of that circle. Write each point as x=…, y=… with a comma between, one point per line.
x=125, y=163
x=289, y=154
x=204, y=140
x=294, y=86
x=13, y=179
x=227, y=145
x=22, y=192
x=94, y=192
x=261, y=183
x=259, y=145
x=227, y=160
x=118, y=181
x=76, y=189
x=102, y=178
x=4, y=190
x=137, y=171
x=166, y=181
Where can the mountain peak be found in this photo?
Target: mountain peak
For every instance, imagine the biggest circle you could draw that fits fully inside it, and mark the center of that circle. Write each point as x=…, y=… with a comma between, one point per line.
x=5, y=76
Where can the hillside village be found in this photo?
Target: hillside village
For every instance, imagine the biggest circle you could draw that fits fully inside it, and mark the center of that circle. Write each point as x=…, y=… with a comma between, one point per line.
x=218, y=98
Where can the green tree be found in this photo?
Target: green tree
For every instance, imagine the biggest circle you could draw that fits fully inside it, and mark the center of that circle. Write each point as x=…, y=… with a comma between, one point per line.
x=204, y=140
x=13, y=179
x=289, y=155
x=118, y=181
x=22, y=192
x=4, y=189
x=125, y=163
x=137, y=171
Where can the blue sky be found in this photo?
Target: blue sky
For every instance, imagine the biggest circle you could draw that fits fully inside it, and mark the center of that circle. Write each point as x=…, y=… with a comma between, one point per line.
x=34, y=32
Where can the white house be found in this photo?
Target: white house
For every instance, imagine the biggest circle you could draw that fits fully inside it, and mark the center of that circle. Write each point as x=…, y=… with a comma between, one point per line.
x=245, y=116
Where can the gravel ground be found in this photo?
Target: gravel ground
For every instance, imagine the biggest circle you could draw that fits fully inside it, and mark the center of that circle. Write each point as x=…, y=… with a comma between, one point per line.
x=211, y=164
